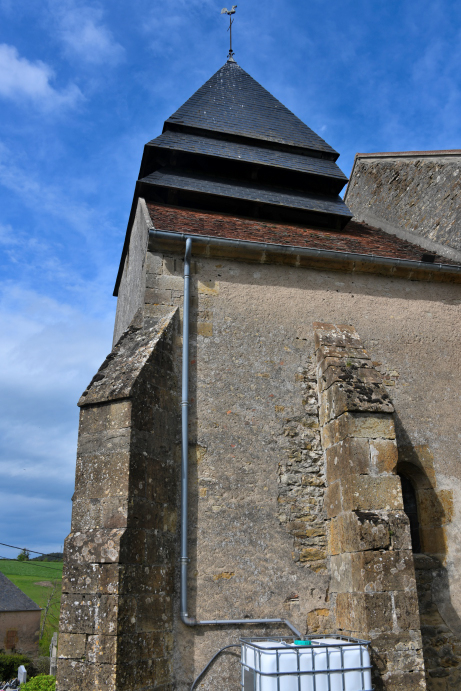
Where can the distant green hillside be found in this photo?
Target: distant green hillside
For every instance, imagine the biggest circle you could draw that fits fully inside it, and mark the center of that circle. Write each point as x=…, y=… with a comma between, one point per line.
x=36, y=579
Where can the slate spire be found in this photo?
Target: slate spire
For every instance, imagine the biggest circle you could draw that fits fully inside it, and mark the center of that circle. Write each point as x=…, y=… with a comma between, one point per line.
x=233, y=147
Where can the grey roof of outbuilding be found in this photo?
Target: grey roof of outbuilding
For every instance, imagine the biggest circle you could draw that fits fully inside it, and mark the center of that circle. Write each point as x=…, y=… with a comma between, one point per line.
x=234, y=103
x=249, y=153
x=251, y=191
x=12, y=599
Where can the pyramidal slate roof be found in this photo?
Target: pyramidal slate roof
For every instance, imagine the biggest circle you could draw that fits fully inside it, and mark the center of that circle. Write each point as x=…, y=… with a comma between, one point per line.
x=12, y=599
x=233, y=148
x=233, y=102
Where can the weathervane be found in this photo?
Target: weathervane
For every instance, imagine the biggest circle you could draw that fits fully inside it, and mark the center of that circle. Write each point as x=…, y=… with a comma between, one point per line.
x=231, y=21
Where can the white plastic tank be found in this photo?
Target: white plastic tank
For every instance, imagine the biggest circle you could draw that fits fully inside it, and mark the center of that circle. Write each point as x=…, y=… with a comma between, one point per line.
x=327, y=664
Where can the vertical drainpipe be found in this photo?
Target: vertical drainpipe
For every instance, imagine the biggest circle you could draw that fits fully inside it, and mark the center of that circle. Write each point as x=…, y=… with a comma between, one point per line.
x=186, y=619
x=185, y=431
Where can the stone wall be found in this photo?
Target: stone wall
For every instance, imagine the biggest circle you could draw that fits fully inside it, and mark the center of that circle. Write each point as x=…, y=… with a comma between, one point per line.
x=258, y=530
x=417, y=197
x=116, y=627
x=258, y=525
x=373, y=583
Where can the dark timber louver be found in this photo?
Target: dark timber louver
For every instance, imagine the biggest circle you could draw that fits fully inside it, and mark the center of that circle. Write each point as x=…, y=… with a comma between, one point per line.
x=234, y=148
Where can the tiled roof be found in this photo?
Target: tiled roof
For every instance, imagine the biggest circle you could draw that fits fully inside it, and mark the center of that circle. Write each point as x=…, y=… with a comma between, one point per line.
x=192, y=143
x=236, y=189
x=356, y=237
x=233, y=102
x=12, y=599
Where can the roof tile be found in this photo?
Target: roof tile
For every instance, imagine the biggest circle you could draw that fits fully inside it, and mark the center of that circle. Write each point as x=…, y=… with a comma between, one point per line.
x=357, y=238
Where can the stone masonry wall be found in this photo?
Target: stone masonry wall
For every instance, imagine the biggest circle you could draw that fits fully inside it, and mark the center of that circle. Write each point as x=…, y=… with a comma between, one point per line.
x=256, y=484
x=420, y=196
x=373, y=578
x=116, y=627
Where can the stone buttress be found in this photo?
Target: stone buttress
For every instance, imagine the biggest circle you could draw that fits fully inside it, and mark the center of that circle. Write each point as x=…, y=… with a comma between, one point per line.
x=117, y=619
x=373, y=576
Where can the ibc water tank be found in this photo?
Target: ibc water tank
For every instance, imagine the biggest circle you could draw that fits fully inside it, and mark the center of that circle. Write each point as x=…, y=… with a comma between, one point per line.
x=327, y=664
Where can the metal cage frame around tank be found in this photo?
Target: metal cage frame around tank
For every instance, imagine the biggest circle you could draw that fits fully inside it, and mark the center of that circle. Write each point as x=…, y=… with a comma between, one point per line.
x=342, y=642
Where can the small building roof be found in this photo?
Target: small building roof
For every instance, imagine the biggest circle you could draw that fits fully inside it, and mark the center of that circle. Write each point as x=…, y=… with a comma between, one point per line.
x=12, y=599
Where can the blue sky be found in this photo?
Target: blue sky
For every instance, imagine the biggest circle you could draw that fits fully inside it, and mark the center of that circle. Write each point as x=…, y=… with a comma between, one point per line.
x=83, y=86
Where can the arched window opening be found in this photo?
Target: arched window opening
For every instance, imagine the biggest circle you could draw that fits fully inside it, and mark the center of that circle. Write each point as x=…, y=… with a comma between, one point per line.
x=410, y=506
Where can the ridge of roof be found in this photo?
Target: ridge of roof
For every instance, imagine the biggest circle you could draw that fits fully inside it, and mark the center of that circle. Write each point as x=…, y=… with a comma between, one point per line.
x=232, y=101
x=410, y=154
x=12, y=599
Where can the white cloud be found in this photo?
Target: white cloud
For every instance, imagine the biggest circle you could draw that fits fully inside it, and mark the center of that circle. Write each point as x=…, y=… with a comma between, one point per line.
x=49, y=351
x=80, y=28
x=22, y=79
x=7, y=237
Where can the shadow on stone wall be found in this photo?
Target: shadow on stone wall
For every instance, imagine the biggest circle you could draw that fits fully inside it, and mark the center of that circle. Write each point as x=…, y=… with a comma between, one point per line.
x=440, y=622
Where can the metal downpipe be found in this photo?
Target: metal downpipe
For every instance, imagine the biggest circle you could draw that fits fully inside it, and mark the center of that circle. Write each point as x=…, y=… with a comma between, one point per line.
x=185, y=433
x=186, y=619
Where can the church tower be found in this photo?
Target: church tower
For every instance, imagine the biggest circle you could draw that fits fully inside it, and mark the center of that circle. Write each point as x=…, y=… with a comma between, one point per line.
x=237, y=458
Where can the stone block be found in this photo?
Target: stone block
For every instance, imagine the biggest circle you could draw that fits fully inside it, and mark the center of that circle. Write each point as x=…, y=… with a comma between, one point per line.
x=341, y=335
x=116, y=441
x=364, y=614
x=170, y=282
x=88, y=578
x=152, y=611
x=357, y=531
x=101, y=649
x=101, y=676
x=97, y=546
x=160, y=547
x=109, y=512
x=364, y=493
x=105, y=417
x=89, y=613
x=102, y=475
x=72, y=645
x=154, y=263
x=332, y=501
x=154, y=580
x=72, y=675
x=350, y=532
x=146, y=514
x=348, y=457
x=375, y=426
x=157, y=296
x=348, y=371
x=373, y=572
x=407, y=681
x=173, y=266
x=143, y=646
x=344, y=397
x=384, y=456
x=308, y=554
x=369, y=493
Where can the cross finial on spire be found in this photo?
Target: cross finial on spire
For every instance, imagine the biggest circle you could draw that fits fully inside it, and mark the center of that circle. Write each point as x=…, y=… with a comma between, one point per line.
x=230, y=12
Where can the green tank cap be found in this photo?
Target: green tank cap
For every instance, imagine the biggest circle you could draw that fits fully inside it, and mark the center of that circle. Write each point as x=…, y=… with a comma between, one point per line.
x=303, y=643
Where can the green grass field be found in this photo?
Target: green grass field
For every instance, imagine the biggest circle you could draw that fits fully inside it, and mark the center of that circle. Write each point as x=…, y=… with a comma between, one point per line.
x=26, y=575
